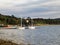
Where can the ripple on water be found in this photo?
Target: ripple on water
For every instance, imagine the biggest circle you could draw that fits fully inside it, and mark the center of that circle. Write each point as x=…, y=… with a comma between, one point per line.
x=43, y=35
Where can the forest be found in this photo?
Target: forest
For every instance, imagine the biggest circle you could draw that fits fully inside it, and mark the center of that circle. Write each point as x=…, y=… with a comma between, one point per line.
x=12, y=20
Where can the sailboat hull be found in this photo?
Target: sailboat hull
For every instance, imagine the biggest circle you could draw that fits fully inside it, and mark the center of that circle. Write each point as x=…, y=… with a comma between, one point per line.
x=31, y=27
x=21, y=27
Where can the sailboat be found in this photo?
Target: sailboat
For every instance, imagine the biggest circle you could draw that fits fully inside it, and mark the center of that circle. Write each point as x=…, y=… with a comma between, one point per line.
x=31, y=27
x=21, y=27
x=27, y=27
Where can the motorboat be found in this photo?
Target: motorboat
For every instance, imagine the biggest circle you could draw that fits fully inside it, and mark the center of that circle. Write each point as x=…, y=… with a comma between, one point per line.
x=11, y=27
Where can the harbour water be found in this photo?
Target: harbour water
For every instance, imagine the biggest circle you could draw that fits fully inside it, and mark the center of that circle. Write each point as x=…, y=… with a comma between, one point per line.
x=42, y=35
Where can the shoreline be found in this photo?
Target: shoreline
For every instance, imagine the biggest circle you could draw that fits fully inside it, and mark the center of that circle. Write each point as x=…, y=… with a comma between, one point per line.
x=8, y=42
x=33, y=25
x=45, y=24
x=4, y=42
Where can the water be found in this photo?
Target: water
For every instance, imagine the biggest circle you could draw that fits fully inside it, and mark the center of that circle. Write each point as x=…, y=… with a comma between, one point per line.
x=42, y=35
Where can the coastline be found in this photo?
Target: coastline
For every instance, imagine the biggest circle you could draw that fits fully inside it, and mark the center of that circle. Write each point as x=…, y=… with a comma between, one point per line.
x=4, y=42
x=45, y=24
x=7, y=42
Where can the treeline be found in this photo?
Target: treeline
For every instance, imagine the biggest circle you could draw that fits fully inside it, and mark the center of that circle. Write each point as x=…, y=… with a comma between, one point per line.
x=46, y=21
x=12, y=20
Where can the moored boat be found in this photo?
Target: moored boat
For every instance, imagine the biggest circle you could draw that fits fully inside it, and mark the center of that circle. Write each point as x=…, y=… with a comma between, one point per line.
x=21, y=27
x=31, y=27
x=11, y=27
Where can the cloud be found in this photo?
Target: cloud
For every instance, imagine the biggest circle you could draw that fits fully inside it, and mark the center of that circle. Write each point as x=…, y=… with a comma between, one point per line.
x=32, y=8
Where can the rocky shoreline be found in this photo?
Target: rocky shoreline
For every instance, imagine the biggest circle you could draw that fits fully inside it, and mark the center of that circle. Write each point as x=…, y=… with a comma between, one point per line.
x=3, y=42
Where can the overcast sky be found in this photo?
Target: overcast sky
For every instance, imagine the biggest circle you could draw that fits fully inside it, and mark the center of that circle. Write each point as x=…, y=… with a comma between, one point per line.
x=31, y=8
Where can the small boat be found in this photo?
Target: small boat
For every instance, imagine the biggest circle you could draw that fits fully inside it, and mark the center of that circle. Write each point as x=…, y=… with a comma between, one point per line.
x=27, y=27
x=21, y=27
x=31, y=27
x=11, y=27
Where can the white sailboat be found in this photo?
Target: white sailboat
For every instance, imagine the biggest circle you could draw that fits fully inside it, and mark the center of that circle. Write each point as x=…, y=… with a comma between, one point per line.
x=21, y=27
x=27, y=27
x=31, y=27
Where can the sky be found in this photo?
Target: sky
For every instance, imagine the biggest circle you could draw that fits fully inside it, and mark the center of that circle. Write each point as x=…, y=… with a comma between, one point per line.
x=31, y=8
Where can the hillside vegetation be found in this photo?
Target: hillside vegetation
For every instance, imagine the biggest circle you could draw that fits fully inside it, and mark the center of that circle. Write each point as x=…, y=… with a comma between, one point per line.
x=12, y=20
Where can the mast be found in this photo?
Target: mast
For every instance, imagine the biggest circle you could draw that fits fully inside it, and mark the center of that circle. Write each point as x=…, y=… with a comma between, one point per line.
x=21, y=21
x=31, y=22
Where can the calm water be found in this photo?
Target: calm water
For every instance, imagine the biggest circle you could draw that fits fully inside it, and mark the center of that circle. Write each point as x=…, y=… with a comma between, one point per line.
x=42, y=35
